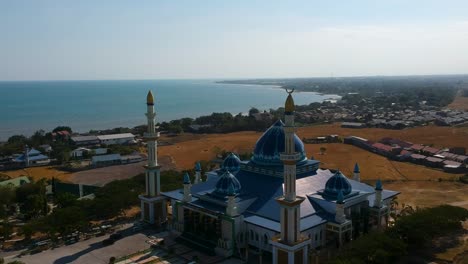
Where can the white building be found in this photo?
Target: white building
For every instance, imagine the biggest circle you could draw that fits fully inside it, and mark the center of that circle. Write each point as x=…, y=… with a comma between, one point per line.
x=117, y=139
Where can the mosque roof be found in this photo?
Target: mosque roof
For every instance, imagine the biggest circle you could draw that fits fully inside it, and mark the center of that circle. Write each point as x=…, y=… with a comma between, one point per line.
x=269, y=146
x=227, y=184
x=258, y=193
x=231, y=163
x=33, y=155
x=336, y=184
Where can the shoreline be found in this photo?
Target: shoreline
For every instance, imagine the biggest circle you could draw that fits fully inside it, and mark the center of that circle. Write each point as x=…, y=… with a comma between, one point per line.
x=6, y=133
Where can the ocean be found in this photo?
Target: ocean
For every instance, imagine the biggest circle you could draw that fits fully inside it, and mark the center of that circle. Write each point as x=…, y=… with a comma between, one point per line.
x=83, y=105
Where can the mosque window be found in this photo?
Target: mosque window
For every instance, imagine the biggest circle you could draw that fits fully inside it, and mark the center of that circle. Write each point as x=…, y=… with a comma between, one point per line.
x=251, y=235
x=265, y=239
x=256, y=236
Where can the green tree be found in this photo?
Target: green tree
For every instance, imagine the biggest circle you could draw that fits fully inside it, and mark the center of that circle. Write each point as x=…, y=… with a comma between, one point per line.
x=7, y=198
x=61, y=128
x=65, y=199
x=253, y=111
x=7, y=229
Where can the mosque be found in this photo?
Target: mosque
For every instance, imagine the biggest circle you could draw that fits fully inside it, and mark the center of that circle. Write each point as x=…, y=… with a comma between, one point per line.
x=278, y=204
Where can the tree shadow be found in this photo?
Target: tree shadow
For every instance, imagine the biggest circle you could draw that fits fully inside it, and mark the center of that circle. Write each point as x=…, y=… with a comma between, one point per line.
x=71, y=258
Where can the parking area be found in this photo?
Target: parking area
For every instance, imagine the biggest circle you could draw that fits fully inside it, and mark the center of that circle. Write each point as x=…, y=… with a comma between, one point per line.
x=91, y=251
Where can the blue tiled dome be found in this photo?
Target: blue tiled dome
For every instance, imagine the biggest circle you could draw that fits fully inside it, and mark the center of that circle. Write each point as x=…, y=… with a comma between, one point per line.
x=227, y=185
x=231, y=163
x=271, y=144
x=338, y=182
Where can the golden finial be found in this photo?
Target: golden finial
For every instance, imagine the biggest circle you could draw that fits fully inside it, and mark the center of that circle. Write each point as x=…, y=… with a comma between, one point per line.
x=289, y=105
x=150, y=98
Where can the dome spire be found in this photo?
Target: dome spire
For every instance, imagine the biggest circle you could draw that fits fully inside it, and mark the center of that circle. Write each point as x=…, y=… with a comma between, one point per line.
x=186, y=178
x=356, y=168
x=150, y=98
x=289, y=104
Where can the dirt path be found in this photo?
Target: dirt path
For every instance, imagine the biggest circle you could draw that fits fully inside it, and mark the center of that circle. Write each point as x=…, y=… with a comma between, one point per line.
x=101, y=176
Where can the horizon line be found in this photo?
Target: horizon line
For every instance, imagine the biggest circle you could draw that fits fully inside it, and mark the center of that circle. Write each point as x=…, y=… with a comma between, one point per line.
x=240, y=78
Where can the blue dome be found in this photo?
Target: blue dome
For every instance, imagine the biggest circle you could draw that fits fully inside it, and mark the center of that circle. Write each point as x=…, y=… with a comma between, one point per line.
x=227, y=185
x=271, y=144
x=197, y=166
x=231, y=163
x=338, y=182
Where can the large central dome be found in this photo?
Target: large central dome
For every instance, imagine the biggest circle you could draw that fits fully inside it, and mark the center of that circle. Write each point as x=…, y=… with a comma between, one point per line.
x=271, y=144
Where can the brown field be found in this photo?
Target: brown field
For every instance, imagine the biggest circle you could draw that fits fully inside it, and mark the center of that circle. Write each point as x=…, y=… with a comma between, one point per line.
x=426, y=194
x=37, y=173
x=437, y=135
x=460, y=102
x=409, y=178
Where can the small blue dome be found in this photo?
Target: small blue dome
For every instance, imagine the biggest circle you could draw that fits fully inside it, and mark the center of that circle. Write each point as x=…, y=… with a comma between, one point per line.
x=186, y=178
x=378, y=185
x=231, y=163
x=338, y=182
x=271, y=144
x=227, y=185
x=356, y=168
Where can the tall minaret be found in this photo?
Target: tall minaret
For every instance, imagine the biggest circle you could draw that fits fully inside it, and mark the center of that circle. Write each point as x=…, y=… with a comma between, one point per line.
x=151, y=137
x=290, y=243
x=152, y=204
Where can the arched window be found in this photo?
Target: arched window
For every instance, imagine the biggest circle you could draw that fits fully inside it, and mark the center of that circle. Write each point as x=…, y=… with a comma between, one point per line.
x=256, y=236
x=251, y=235
x=265, y=239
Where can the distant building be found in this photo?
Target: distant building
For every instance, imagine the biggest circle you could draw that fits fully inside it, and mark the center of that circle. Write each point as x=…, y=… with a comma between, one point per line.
x=117, y=139
x=46, y=147
x=106, y=160
x=32, y=157
x=353, y=125
x=85, y=140
x=79, y=152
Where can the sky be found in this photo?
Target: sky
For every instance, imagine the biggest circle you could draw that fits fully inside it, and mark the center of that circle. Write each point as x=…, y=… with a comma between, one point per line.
x=177, y=39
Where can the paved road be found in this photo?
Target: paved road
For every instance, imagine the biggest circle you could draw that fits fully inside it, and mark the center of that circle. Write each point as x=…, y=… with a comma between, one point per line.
x=88, y=251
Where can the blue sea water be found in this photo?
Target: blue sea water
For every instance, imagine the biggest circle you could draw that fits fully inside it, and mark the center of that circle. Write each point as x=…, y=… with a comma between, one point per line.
x=83, y=105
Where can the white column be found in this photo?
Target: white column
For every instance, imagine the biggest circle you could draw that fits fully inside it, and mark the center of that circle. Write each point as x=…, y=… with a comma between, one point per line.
x=197, y=177
x=304, y=254
x=158, y=182
x=275, y=253
x=357, y=176
x=151, y=213
x=142, y=210
x=187, y=193
x=291, y=257
x=378, y=198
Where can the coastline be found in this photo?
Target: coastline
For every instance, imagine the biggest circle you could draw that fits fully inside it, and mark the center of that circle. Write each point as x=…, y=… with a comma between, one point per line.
x=93, y=108
x=279, y=86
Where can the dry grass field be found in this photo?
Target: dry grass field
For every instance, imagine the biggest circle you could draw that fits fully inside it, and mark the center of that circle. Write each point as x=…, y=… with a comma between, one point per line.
x=460, y=102
x=410, y=179
x=37, y=173
x=407, y=178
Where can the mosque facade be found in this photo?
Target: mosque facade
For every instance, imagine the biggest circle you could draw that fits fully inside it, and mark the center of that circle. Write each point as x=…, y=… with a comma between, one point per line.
x=279, y=203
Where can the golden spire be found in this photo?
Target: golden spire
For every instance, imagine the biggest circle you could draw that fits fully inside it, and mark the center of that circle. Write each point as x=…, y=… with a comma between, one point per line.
x=289, y=105
x=150, y=98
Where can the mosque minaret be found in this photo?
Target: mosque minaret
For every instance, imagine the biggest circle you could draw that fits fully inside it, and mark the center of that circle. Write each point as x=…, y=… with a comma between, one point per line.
x=290, y=246
x=153, y=209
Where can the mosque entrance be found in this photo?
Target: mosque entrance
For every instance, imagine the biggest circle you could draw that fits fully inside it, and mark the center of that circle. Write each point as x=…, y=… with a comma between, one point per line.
x=201, y=230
